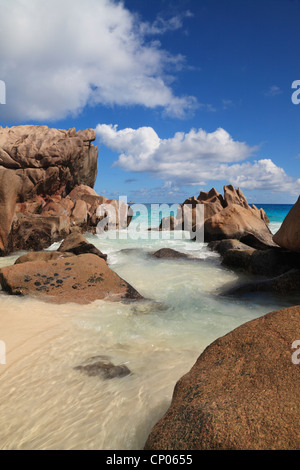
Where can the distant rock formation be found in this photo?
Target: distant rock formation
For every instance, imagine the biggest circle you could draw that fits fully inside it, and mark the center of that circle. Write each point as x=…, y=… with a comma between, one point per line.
x=242, y=393
x=46, y=181
x=225, y=217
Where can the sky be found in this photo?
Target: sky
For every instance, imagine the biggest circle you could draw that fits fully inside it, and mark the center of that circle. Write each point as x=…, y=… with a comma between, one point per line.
x=184, y=95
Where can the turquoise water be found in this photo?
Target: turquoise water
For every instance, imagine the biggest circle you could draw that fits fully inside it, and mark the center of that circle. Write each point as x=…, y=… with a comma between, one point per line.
x=276, y=214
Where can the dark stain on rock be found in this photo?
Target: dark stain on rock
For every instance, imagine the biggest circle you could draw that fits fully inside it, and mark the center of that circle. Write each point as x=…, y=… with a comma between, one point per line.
x=96, y=278
x=42, y=289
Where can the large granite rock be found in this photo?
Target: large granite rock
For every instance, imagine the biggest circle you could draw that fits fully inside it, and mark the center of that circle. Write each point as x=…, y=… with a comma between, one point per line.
x=236, y=222
x=10, y=186
x=288, y=236
x=49, y=161
x=242, y=393
x=38, y=161
x=80, y=279
x=46, y=187
x=36, y=232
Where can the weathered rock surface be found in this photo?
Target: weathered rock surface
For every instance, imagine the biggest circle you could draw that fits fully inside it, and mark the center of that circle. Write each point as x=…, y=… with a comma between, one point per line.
x=242, y=393
x=239, y=259
x=288, y=236
x=80, y=279
x=103, y=368
x=76, y=243
x=49, y=173
x=10, y=185
x=236, y=222
x=49, y=161
x=38, y=161
x=36, y=232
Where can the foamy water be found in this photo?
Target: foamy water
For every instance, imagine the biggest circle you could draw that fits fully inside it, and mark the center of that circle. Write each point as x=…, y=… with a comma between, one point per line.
x=46, y=404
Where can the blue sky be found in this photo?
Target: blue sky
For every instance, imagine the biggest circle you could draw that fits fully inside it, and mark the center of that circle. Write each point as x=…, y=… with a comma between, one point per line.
x=184, y=94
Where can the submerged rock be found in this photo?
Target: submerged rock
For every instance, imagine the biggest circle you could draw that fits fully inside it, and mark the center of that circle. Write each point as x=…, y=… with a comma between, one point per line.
x=242, y=393
x=169, y=253
x=103, y=368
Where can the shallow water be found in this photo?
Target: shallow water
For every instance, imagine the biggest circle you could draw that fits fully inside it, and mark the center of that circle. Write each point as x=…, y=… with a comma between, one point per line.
x=46, y=404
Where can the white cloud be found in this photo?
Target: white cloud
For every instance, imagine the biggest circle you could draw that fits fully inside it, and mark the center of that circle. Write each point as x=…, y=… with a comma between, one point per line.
x=58, y=56
x=274, y=90
x=162, y=25
x=194, y=158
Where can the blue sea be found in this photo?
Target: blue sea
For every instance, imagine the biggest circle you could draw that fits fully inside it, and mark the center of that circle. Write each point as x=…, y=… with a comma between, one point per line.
x=276, y=214
x=48, y=405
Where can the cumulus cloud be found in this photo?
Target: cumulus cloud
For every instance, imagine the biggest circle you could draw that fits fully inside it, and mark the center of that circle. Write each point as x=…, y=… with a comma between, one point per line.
x=56, y=57
x=194, y=158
